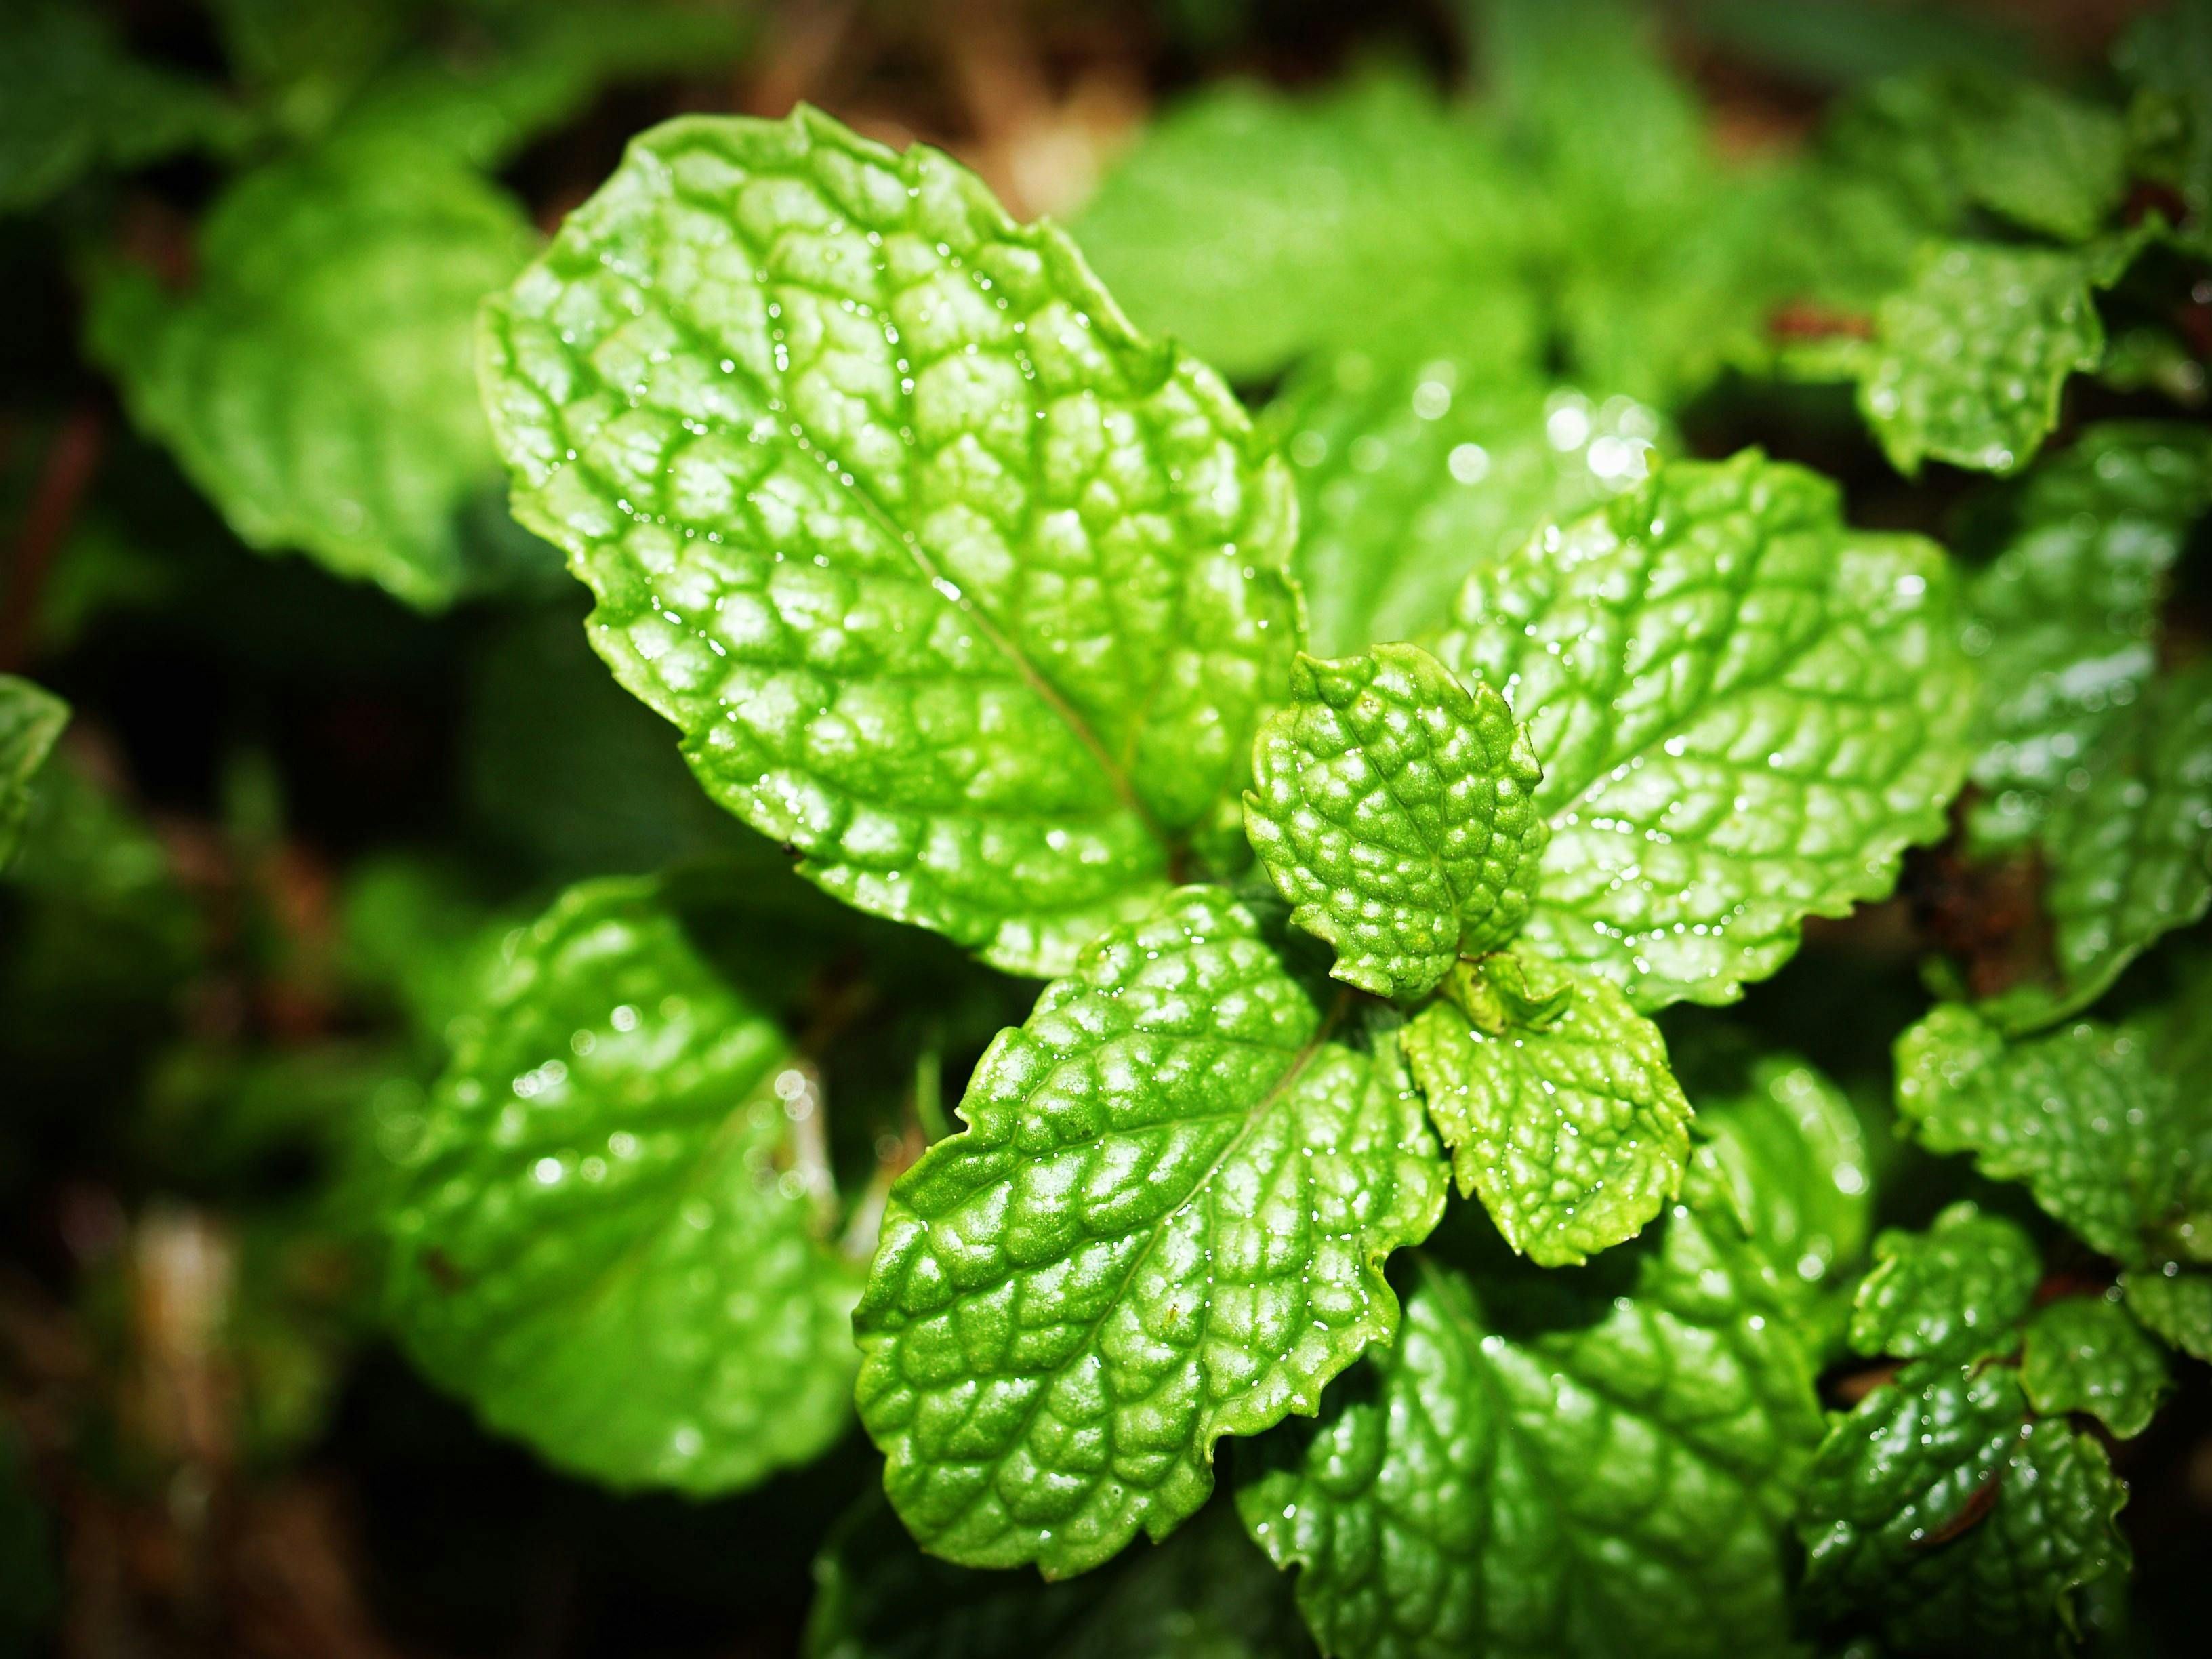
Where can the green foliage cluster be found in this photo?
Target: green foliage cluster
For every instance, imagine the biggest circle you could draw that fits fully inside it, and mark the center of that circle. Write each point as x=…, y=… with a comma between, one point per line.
x=1357, y=819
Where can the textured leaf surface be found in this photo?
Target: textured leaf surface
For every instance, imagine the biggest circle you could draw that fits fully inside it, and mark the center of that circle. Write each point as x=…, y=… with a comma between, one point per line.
x=1395, y=810
x=2100, y=1135
x=1415, y=467
x=949, y=579
x=2061, y=621
x=1938, y=1509
x=71, y=102
x=1574, y=1132
x=1957, y=1290
x=1165, y=1222
x=1544, y=1466
x=605, y=1235
x=31, y=719
x=2178, y=1305
x=1745, y=711
x=1970, y=356
x=1205, y=1593
x=368, y=264
x=2085, y=1354
x=1255, y=227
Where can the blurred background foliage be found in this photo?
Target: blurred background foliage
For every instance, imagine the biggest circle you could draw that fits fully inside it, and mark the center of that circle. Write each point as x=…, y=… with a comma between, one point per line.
x=337, y=730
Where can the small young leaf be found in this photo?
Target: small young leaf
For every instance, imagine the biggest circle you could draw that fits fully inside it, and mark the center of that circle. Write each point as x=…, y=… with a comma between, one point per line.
x=2062, y=619
x=2176, y=1305
x=1574, y=1133
x=1938, y=1509
x=1544, y=1465
x=31, y=719
x=604, y=1236
x=949, y=579
x=1969, y=357
x=2099, y=1133
x=1956, y=1292
x=1745, y=711
x=1205, y=1593
x=1165, y=1222
x=2086, y=1354
x=1395, y=810
x=368, y=262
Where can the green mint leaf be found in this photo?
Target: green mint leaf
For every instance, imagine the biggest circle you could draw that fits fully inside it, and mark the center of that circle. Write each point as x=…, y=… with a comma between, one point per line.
x=1574, y=1133
x=1937, y=1509
x=1564, y=1463
x=72, y=103
x=2086, y=1354
x=1255, y=227
x=1745, y=711
x=2166, y=55
x=1395, y=810
x=949, y=579
x=1969, y=357
x=31, y=719
x=2061, y=621
x=2178, y=1305
x=1957, y=1290
x=1205, y=1593
x=369, y=263
x=2130, y=852
x=1794, y=1159
x=606, y=1235
x=2102, y=1135
x=1165, y=1222
x=1416, y=466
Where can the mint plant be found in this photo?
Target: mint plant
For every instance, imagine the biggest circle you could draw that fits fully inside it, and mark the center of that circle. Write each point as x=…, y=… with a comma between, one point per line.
x=1439, y=892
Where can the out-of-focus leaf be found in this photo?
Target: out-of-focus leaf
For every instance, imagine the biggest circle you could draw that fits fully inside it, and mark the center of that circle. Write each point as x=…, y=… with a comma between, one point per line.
x=31, y=719
x=30, y=1584
x=2085, y=1354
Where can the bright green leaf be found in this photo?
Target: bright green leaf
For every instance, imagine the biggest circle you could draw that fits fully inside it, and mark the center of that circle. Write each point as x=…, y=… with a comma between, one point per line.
x=949, y=579
x=1165, y=1222
x=1936, y=1509
x=2176, y=1305
x=1416, y=467
x=1255, y=227
x=2109, y=1142
x=2047, y=161
x=1567, y=1463
x=607, y=1234
x=1957, y=1290
x=367, y=263
x=2086, y=1354
x=1205, y=1593
x=1395, y=811
x=2062, y=619
x=1745, y=710
x=1574, y=1132
x=31, y=719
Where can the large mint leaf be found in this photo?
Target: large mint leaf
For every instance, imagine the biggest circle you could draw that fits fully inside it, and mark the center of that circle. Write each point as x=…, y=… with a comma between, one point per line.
x=2109, y=1141
x=2061, y=621
x=72, y=102
x=1745, y=710
x=367, y=263
x=1415, y=466
x=1165, y=1222
x=1569, y=1125
x=1570, y=1463
x=950, y=580
x=1969, y=357
x=606, y=1234
x=2129, y=844
x=1957, y=1290
x=2086, y=1354
x=1205, y=1593
x=1395, y=811
x=1255, y=227
x=31, y=719
x=1938, y=1510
